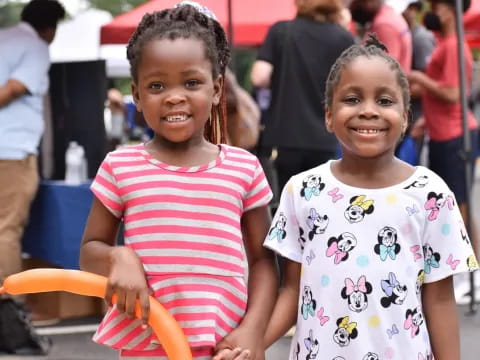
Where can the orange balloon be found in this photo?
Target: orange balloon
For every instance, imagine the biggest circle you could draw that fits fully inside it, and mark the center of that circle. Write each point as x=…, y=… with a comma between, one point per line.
x=169, y=333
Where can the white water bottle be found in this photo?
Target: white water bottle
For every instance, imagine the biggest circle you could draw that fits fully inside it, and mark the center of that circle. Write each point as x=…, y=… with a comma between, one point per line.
x=75, y=164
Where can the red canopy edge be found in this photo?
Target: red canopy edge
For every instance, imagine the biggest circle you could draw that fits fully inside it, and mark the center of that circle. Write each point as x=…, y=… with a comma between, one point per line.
x=251, y=19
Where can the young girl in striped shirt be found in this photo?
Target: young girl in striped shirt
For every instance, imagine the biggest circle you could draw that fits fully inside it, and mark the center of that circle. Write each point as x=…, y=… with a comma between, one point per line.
x=191, y=207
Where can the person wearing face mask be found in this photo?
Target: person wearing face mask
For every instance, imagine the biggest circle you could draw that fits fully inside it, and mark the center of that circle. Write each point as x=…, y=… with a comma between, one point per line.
x=375, y=16
x=440, y=91
x=423, y=42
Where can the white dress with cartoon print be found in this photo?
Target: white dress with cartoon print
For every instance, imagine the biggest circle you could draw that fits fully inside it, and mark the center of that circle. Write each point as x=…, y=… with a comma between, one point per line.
x=365, y=256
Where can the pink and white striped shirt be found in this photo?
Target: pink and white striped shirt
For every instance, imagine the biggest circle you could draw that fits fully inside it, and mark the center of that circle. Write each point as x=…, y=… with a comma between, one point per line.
x=184, y=224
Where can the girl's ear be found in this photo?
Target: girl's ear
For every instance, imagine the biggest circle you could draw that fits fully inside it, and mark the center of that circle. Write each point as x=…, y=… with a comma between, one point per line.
x=406, y=118
x=218, y=84
x=328, y=120
x=136, y=96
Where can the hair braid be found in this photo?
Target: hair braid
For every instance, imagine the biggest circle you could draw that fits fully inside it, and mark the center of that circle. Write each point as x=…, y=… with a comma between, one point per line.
x=185, y=22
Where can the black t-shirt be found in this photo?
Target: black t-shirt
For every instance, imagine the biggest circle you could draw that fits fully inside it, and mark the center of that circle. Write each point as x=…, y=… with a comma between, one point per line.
x=302, y=52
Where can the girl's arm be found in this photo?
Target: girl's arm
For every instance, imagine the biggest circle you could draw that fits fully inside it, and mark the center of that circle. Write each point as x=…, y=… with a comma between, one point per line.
x=285, y=312
x=98, y=254
x=440, y=311
x=262, y=291
x=263, y=274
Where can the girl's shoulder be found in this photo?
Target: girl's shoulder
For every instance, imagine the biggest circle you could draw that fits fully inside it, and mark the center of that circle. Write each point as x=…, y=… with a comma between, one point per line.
x=320, y=170
x=234, y=152
x=427, y=179
x=126, y=153
x=127, y=150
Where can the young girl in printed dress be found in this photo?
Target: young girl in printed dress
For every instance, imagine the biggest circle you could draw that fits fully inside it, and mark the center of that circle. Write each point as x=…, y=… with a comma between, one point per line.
x=371, y=243
x=190, y=207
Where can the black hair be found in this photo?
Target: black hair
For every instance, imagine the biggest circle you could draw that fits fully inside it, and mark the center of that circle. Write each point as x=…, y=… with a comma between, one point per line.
x=43, y=14
x=417, y=5
x=372, y=48
x=452, y=3
x=185, y=22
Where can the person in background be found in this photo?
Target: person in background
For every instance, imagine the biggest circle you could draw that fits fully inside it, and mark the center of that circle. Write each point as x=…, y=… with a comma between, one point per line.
x=24, y=65
x=192, y=206
x=440, y=89
x=293, y=62
x=243, y=115
x=423, y=42
x=368, y=262
x=375, y=16
x=117, y=111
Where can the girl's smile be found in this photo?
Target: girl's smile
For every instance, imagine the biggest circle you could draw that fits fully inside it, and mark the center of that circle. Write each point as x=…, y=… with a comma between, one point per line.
x=176, y=90
x=367, y=113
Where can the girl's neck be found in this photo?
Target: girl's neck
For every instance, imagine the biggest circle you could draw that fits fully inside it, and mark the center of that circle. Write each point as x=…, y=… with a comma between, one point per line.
x=194, y=153
x=371, y=173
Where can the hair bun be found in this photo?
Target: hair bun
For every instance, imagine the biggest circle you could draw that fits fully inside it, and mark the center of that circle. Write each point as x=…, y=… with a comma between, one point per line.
x=373, y=41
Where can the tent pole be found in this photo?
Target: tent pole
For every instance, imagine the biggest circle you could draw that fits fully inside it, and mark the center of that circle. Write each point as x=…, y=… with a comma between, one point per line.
x=467, y=144
x=230, y=34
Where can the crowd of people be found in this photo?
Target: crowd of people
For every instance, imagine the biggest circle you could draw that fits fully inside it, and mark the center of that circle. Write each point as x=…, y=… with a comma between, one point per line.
x=293, y=64
x=369, y=241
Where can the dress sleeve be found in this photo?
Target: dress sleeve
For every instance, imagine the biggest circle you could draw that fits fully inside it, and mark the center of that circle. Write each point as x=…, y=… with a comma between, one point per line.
x=105, y=188
x=284, y=234
x=259, y=193
x=447, y=249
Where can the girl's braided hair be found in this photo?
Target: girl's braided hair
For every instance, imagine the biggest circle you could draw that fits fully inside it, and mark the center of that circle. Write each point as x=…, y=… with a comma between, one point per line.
x=185, y=22
x=373, y=47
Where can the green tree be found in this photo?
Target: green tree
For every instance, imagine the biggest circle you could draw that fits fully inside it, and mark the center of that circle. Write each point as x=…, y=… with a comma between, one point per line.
x=116, y=7
x=9, y=13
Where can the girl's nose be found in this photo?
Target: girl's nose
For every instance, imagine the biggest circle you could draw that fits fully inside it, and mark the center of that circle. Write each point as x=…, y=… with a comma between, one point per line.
x=175, y=98
x=369, y=110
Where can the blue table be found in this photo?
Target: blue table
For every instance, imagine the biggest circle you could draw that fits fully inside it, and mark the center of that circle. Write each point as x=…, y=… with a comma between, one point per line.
x=57, y=220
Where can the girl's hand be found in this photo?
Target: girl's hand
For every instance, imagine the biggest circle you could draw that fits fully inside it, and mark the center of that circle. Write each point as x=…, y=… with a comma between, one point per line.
x=244, y=338
x=235, y=354
x=128, y=282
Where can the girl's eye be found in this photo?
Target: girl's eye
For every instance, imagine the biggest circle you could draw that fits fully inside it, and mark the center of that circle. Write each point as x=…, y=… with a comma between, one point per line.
x=351, y=100
x=192, y=83
x=156, y=86
x=385, y=101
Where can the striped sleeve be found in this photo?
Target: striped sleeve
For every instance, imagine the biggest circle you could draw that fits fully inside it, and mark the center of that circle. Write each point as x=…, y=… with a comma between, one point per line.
x=259, y=193
x=105, y=188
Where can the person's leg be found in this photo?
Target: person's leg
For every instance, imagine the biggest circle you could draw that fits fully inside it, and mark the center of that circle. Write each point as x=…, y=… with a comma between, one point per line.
x=448, y=161
x=467, y=195
x=18, y=185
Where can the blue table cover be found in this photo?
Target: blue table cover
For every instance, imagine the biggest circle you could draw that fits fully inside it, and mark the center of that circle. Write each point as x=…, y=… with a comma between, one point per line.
x=57, y=219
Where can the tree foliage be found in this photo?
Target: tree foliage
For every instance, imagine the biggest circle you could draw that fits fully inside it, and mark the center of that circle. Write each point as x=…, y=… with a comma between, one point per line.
x=10, y=13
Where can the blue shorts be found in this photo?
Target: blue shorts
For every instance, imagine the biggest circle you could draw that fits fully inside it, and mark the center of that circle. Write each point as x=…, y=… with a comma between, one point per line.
x=447, y=160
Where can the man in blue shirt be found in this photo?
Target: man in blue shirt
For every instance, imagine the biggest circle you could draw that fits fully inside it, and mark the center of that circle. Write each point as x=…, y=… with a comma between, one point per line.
x=24, y=65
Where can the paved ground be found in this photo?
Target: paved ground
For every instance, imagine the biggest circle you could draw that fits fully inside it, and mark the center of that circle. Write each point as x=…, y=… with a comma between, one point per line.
x=78, y=346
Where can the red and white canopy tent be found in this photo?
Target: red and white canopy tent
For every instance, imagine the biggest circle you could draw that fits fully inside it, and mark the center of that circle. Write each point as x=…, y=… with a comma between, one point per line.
x=471, y=20
x=250, y=19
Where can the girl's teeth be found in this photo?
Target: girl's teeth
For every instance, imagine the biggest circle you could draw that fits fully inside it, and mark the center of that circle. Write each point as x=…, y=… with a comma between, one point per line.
x=176, y=118
x=367, y=131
